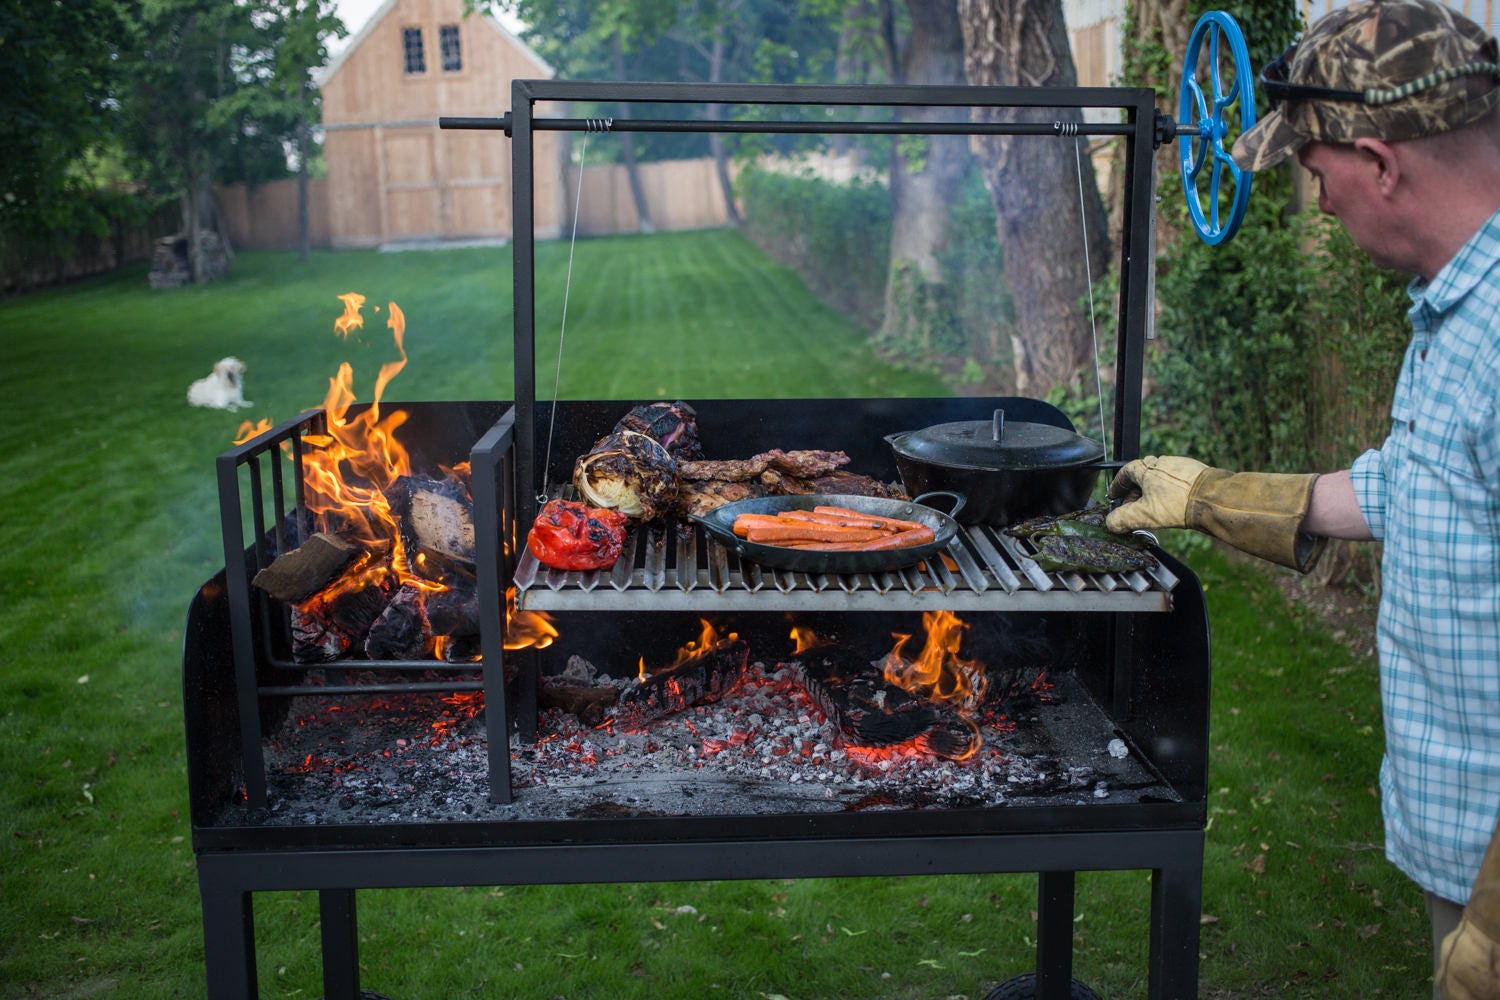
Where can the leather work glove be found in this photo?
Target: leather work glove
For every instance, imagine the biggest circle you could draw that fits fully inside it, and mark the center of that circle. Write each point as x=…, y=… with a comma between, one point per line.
x=1257, y=512
x=1469, y=963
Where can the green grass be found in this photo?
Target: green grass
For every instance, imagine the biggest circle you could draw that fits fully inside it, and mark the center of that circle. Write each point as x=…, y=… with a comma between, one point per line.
x=110, y=525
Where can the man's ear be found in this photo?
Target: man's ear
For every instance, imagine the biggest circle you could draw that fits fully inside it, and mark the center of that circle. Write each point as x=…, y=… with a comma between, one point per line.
x=1381, y=158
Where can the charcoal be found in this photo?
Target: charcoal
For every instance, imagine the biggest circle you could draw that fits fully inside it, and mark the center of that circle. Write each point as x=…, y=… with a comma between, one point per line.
x=454, y=612
x=324, y=630
x=400, y=633
x=702, y=679
x=869, y=712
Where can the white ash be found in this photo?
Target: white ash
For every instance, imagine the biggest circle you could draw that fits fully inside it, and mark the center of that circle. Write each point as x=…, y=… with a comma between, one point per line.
x=764, y=748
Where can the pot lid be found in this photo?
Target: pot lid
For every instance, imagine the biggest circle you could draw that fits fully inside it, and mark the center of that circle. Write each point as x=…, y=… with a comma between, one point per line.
x=998, y=444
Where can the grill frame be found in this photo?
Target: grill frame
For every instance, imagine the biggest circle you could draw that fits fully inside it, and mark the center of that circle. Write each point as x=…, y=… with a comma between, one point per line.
x=1158, y=657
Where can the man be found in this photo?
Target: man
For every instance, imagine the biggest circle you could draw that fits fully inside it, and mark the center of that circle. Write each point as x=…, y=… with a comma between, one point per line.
x=1392, y=106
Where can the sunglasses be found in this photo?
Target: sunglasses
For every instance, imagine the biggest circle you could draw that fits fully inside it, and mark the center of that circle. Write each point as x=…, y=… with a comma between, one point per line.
x=1273, y=79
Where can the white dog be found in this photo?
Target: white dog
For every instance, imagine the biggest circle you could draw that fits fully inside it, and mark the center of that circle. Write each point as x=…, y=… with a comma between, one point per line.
x=223, y=389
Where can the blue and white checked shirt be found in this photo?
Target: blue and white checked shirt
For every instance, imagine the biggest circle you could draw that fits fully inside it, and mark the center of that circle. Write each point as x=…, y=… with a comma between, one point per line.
x=1432, y=494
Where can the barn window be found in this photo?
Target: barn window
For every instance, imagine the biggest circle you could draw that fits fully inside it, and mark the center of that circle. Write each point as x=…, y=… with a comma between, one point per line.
x=411, y=44
x=453, y=57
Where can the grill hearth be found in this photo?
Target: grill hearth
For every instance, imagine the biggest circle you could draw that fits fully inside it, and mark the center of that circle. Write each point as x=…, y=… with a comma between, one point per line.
x=1092, y=729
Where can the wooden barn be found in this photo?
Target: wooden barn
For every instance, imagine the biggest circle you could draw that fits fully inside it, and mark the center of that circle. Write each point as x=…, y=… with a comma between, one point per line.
x=393, y=176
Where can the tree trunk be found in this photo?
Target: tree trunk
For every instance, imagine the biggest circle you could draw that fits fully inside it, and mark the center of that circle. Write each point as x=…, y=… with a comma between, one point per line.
x=716, y=139
x=926, y=177
x=304, y=237
x=627, y=150
x=1034, y=184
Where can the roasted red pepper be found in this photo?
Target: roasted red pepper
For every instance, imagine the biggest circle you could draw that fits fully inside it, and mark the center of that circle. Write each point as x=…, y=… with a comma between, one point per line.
x=570, y=535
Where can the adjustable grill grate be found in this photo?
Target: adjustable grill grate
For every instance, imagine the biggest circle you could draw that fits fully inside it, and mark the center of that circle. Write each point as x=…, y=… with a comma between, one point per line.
x=684, y=569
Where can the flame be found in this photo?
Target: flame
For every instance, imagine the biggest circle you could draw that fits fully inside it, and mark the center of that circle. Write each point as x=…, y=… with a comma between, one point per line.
x=526, y=629
x=351, y=320
x=709, y=639
x=248, y=430
x=805, y=639
x=938, y=673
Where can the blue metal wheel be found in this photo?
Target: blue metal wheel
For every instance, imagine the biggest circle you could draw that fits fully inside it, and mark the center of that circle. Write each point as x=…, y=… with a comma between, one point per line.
x=1208, y=109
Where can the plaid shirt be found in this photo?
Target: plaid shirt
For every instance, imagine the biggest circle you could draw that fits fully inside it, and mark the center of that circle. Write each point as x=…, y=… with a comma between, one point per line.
x=1432, y=494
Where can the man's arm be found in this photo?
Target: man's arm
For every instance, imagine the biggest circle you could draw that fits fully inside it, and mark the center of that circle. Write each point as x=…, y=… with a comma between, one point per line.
x=1334, y=512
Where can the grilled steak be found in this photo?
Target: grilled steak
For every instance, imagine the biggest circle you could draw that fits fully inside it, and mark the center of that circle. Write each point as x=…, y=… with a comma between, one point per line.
x=741, y=470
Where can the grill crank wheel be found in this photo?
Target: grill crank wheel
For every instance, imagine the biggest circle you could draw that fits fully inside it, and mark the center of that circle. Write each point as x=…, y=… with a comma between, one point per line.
x=1024, y=987
x=1202, y=143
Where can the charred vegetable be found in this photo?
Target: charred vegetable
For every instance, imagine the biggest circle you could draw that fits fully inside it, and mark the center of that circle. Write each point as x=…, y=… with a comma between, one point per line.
x=1078, y=542
x=1059, y=553
x=1047, y=522
x=629, y=472
x=570, y=535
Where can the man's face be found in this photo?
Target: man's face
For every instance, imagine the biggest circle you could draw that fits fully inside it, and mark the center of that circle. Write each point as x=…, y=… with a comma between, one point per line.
x=1348, y=181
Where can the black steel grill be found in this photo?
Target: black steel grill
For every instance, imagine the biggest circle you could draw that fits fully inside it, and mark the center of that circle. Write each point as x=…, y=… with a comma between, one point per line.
x=1131, y=649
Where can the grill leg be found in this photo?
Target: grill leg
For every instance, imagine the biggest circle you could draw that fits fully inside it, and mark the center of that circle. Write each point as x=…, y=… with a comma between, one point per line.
x=340, y=944
x=228, y=939
x=1054, y=935
x=1176, y=902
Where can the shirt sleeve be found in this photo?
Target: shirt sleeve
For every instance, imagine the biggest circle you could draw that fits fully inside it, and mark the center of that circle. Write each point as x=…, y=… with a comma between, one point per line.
x=1368, y=478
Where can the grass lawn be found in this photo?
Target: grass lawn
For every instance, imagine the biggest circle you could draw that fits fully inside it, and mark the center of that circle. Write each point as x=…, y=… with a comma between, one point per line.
x=110, y=525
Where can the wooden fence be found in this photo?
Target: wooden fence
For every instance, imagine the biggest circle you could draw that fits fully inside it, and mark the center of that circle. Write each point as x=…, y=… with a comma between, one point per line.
x=680, y=194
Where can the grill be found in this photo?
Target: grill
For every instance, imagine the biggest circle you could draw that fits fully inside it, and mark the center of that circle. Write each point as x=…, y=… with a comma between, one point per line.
x=1126, y=656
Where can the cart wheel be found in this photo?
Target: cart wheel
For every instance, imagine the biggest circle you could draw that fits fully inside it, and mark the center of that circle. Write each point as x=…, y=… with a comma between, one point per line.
x=1023, y=987
x=1207, y=145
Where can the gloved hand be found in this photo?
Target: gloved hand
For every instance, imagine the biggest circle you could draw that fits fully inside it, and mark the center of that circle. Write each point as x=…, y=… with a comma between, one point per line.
x=1257, y=512
x=1469, y=963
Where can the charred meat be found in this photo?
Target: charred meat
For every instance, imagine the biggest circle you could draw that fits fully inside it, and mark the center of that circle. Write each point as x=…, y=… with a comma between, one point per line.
x=672, y=425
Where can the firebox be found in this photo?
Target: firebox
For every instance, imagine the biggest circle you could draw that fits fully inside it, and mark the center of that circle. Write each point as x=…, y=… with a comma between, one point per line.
x=458, y=713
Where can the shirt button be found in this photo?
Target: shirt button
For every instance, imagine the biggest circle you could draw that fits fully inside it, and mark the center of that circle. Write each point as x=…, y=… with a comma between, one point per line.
x=1411, y=425
x=1424, y=354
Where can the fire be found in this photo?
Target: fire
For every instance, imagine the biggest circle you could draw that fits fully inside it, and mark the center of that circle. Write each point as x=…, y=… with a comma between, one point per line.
x=708, y=640
x=804, y=639
x=938, y=673
x=351, y=320
x=349, y=470
x=525, y=629
x=248, y=430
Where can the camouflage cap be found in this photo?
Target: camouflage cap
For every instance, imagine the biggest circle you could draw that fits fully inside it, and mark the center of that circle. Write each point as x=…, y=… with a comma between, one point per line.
x=1418, y=68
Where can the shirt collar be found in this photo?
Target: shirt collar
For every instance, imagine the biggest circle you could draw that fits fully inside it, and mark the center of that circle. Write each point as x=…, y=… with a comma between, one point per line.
x=1458, y=277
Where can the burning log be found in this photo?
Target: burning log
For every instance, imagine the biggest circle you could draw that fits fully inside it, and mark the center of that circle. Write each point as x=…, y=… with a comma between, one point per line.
x=588, y=703
x=310, y=568
x=325, y=629
x=702, y=677
x=437, y=518
x=401, y=630
x=454, y=612
x=869, y=712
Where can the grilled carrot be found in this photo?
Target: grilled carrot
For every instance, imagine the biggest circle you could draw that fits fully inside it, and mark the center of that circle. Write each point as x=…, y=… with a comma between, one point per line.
x=806, y=532
x=846, y=512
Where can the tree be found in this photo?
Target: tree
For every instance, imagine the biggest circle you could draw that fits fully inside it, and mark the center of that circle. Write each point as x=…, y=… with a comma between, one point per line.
x=59, y=62
x=926, y=176
x=277, y=101
x=1025, y=43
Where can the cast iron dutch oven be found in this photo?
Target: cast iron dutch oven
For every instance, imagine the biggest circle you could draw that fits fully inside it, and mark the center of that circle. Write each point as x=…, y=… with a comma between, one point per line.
x=1006, y=470
x=720, y=523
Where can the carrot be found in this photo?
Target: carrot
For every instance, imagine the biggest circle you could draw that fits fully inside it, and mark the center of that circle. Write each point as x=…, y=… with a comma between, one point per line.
x=745, y=522
x=893, y=522
x=812, y=533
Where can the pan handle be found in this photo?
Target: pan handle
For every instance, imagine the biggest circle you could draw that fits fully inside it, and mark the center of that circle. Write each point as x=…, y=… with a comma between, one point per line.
x=958, y=500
